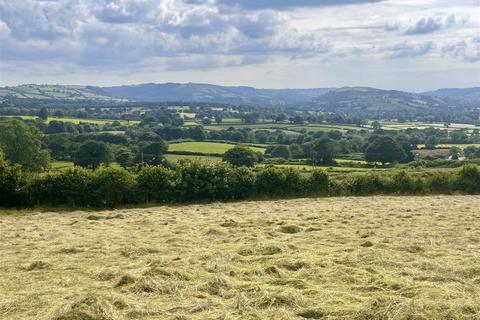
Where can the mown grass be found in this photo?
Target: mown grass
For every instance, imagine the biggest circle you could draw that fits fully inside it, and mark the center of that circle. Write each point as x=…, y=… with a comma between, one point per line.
x=206, y=147
x=329, y=258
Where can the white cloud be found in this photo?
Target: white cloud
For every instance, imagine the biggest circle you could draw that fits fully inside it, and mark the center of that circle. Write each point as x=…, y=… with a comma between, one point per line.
x=135, y=37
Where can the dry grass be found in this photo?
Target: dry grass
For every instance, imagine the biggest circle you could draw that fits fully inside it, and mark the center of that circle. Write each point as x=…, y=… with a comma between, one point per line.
x=335, y=258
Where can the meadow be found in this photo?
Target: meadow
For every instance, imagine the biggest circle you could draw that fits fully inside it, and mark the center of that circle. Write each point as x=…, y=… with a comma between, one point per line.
x=326, y=258
x=81, y=120
x=206, y=147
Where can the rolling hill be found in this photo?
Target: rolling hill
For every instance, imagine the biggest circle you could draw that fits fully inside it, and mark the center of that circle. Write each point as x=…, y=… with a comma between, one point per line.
x=347, y=99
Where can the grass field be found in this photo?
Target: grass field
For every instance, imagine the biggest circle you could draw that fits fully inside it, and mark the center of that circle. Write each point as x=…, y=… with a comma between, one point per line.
x=177, y=157
x=81, y=120
x=328, y=258
x=206, y=147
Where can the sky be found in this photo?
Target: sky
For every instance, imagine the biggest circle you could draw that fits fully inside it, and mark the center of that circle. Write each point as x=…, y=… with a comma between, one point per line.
x=392, y=44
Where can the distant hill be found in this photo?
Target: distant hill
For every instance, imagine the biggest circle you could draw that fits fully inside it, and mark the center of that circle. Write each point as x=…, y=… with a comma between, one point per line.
x=364, y=100
x=458, y=96
x=54, y=92
x=213, y=93
x=348, y=99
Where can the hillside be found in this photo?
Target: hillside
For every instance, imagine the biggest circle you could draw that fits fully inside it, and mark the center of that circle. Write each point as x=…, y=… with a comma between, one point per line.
x=458, y=96
x=347, y=99
x=54, y=92
x=363, y=100
x=213, y=93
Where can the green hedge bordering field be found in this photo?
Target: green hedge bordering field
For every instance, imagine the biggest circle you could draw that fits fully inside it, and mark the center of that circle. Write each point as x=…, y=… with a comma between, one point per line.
x=193, y=181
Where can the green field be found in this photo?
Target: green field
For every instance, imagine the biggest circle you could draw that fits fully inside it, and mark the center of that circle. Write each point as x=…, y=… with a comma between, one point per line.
x=79, y=120
x=206, y=147
x=177, y=157
x=424, y=125
x=355, y=258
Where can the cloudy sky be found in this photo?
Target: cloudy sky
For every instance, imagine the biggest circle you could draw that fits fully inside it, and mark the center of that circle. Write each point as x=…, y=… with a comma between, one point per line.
x=394, y=44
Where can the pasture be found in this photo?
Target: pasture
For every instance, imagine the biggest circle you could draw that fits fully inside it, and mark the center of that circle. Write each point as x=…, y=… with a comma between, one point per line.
x=80, y=120
x=206, y=147
x=326, y=258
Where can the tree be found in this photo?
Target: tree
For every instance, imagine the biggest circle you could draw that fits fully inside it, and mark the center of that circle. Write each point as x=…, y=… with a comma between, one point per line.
x=43, y=113
x=152, y=153
x=218, y=118
x=280, y=151
x=241, y=156
x=376, y=125
x=92, y=153
x=431, y=142
x=384, y=149
x=22, y=145
x=322, y=151
x=455, y=153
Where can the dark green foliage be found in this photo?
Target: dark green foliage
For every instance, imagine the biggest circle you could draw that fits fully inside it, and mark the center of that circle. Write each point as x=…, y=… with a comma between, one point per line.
x=203, y=181
x=157, y=184
x=22, y=145
x=241, y=183
x=12, y=184
x=270, y=181
x=384, y=149
x=279, y=151
x=196, y=181
x=241, y=156
x=93, y=153
x=440, y=183
x=367, y=184
x=469, y=179
x=43, y=113
x=322, y=151
x=318, y=182
x=114, y=186
x=152, y=153
x=73, y=187
x=404, y=183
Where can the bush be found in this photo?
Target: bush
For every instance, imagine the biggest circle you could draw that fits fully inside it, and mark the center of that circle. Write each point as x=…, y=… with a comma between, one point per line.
x=114, y=186
x=440, y=183
x=366, y=184
x=404, y=183
x=157, y=184
x=318, y=182
x=468, y=179
x=270, y=181
x=200, y=181
x=72, y=187
x=12, y=185
x=241, y=183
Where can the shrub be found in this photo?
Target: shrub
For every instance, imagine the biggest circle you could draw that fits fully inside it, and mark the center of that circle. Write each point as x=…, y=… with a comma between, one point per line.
x=241, y=156
x=12, y=185
x=468, y=179
x=71, y=187
x=440, y=183
x=157, y=184
x=241, y=183
x=114, y=186
x=404, y=183
x=270, y=181
x=199, y=181
x=366, y=184
x=318, y=182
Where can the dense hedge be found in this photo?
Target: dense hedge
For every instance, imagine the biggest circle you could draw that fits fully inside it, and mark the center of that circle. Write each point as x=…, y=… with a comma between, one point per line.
x=194, y=181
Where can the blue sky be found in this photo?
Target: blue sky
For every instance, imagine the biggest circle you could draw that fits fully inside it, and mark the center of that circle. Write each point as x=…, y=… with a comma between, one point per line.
x=398, y=44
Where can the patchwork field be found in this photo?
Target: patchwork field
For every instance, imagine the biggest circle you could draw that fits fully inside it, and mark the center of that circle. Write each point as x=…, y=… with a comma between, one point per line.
x=326, y=258
x=81, y=120
x=207, y=147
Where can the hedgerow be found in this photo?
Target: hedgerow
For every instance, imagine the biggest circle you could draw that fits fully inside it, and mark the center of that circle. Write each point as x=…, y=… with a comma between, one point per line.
x=196, y=181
